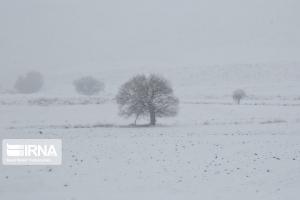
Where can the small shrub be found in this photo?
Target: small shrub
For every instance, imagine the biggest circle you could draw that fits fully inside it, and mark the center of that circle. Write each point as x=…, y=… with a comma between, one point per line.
x=30, y=83
x=238, y=95
x=88, y=86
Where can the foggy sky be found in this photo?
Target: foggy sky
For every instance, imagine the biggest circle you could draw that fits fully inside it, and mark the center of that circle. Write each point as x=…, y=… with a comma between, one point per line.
x=72, y=34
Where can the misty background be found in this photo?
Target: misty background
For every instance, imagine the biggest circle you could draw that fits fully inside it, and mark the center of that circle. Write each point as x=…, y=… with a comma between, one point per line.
x=64, y=38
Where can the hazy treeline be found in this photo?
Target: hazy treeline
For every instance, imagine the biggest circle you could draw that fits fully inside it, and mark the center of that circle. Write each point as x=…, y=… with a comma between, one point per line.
x=149, y=96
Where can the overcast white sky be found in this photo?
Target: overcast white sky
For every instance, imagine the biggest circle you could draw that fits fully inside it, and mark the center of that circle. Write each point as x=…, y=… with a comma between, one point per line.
x=70, y=34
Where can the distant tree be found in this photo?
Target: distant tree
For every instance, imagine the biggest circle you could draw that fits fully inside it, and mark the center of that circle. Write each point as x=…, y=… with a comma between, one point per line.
x=88, y=85
x=238, y=95
x=30, y=83
x=147, y=96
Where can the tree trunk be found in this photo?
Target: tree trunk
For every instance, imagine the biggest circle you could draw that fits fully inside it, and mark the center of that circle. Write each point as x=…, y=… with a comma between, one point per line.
x=152, y=117
x=136, y=118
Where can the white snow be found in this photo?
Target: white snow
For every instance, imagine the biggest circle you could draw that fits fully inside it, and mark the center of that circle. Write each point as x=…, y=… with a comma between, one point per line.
x=212, y=150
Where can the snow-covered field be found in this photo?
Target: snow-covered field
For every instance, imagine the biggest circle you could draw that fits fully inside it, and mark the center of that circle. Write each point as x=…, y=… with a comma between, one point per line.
x=213, y=149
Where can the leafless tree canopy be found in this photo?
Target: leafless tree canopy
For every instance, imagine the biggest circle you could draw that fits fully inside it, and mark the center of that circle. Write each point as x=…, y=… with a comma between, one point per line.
x=30, y=83
x=88, y=85
x=238, y=95
x=147, y=96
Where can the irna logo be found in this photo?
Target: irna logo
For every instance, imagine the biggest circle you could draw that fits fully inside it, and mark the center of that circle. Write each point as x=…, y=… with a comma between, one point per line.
x=31, y=152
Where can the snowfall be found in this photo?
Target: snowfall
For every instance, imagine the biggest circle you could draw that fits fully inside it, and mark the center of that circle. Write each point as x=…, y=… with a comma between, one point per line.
x=213, y=149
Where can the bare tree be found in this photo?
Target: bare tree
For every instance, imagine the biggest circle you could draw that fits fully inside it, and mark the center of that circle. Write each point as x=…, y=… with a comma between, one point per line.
x=88, y=85
x=147, y=96
x=238, y=95
x=30, y=83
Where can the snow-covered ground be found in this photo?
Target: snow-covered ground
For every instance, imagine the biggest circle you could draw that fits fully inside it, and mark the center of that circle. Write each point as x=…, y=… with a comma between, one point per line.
x=213, y=149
